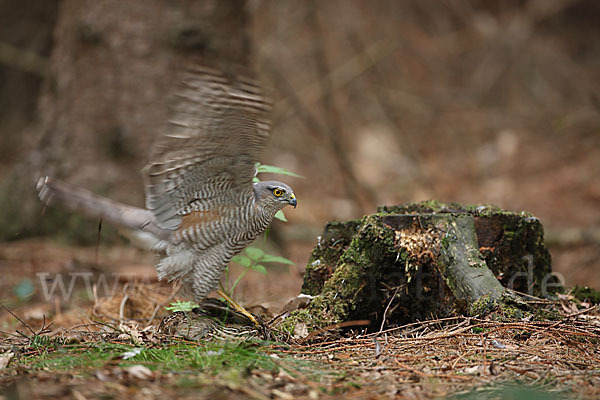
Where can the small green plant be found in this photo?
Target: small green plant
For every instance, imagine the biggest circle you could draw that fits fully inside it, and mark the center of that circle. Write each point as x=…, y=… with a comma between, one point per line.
x=185, y=306
x=254, y=259
x=263, y=168
x=280, y=216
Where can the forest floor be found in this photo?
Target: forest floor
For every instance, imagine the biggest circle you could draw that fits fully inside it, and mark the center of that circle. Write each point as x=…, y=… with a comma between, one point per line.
x=97, y=336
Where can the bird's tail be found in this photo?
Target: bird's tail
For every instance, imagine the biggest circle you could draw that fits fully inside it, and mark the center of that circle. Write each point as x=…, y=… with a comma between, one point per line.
x=52, y=191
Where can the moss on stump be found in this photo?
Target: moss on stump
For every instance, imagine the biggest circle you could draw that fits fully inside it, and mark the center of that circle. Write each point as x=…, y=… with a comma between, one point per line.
x=421, y=260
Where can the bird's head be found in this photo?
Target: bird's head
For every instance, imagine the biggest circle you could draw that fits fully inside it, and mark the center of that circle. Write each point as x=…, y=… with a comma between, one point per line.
x=274, y=195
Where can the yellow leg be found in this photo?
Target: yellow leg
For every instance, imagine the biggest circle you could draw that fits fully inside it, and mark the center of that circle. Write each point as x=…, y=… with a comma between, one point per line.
x=237, y=307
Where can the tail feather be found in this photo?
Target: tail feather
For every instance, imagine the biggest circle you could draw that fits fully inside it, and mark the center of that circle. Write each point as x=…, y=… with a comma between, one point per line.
x=52, y=191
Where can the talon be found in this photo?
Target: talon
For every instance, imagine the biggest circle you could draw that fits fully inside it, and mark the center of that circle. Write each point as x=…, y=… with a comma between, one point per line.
x=238, y=307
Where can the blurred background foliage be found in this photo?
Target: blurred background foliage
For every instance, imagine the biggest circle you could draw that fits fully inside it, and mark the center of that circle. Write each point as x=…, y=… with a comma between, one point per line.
x=376, y=102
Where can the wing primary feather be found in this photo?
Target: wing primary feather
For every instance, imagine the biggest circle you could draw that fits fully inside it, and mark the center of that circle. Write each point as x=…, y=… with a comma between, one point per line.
x=209, y=147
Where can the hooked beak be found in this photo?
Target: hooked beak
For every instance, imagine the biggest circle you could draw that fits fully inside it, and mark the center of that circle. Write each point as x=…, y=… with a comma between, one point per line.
x=292, y=200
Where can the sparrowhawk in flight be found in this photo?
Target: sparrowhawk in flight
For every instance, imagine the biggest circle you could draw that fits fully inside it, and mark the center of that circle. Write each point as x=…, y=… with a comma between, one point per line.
x=202, y=206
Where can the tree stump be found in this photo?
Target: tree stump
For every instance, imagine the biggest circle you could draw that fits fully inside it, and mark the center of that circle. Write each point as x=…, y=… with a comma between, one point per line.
x=423, y=260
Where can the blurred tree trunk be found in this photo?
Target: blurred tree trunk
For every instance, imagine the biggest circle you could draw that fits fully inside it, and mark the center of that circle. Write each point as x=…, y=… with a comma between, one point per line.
x=25, y=44
x=103, y=99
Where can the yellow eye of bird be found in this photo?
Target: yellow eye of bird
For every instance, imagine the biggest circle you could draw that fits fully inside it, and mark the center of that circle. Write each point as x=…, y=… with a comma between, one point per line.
x=278, y=192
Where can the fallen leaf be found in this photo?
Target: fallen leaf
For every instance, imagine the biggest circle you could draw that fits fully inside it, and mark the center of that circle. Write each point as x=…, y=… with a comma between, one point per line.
x=139, y=372
x=300, y=331
x=5, y=359
x=300, y=301
x=36, y=313
x=474, y=370
x=132, y=353
x=133, y=332
x=77, y=395
x=101, y=376
x=282, y=395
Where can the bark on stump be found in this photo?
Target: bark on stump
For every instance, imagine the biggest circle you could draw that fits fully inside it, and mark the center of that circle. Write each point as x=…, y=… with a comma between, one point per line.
x=422, y=260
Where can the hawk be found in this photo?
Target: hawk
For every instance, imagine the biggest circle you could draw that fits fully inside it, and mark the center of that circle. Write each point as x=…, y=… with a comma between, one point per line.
x=202, y=206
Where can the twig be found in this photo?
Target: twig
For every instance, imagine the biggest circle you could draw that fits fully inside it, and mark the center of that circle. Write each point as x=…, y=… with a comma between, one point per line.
x=107, y=325
x=387, y=308
x=18, y=319
x=98, y=243
x=122, y=304
x=582, y=311
x=421, y=323
x=573, y=315
x=483, y=344
x=44, y=329
x=361, y=322
x=9, y=333
x=529, y=296
x=174, y=291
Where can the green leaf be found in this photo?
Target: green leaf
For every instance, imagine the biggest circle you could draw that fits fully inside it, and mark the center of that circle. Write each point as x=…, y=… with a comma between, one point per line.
x=255, y=179
x=280, y=216
x=259, y=268
x=242, y=260
x=267, y=258
x=263, y=168
x=184, y=306
x=254, y=253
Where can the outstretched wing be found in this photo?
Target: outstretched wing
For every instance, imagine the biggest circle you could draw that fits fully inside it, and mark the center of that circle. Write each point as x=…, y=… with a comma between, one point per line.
x=205, y=160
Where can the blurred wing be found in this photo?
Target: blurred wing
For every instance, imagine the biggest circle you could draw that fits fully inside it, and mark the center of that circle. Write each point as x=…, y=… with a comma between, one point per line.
x=207, y=155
